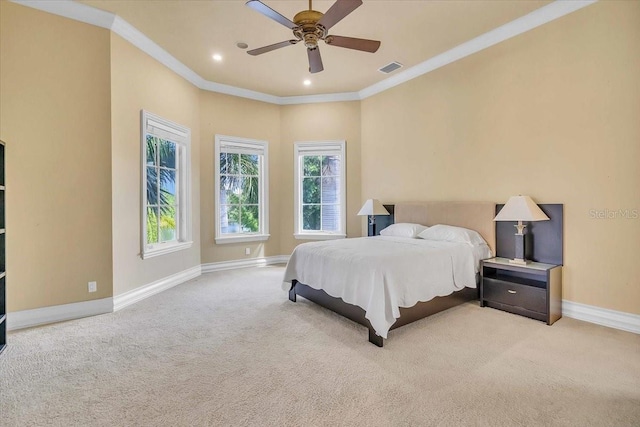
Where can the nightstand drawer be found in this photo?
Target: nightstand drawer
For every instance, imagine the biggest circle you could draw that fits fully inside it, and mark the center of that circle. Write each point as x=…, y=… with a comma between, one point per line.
x=528, y=297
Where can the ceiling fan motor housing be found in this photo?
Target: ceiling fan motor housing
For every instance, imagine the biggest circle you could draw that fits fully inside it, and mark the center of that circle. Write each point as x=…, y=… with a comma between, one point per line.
x=307, y=29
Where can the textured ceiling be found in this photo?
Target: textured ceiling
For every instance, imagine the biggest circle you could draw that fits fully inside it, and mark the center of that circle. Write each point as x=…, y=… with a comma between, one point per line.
x=410, y=31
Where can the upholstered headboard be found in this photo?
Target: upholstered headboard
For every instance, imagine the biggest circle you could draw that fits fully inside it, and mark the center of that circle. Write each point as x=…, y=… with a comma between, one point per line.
x=476, y=216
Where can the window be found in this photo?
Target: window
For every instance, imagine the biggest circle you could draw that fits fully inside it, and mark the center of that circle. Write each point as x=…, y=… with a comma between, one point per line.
x=241, y=182
x=166, y=209
x=320, y=192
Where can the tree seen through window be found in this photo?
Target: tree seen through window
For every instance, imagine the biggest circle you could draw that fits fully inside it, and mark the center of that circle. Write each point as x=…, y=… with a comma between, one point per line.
x=162, y=203
x=321, y=193
x=239, y=193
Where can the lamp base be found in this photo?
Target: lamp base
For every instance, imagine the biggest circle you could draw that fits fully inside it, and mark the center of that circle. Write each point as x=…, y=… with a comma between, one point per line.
x=372, y=223
x=519, y=261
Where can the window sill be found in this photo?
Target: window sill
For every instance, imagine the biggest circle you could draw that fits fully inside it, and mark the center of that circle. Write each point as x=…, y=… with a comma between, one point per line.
x=242, y=238
x=318, y=236
x=166, y=248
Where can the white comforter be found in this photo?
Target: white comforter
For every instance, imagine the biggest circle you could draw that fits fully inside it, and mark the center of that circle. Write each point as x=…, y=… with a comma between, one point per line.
x=381, y=274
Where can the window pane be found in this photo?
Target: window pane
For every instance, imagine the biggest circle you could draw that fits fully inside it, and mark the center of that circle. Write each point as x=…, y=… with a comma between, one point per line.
x=311, y=217
x=167, y=154
x=240, y=194
x=250, y=190
x=229, y=163
x=331, y=189
x=168, y=221
x=152, y=185
x=330, y=165
x=168, y=186
x=231, y=189
x=249, y=164
x=151, y=150
x=229, y=182
x=311, y=165
x=152, y=224
x=166, y=209
x=250, y=219
x=330, y=217
x=224, y=163
x=228, y=197
x=311, y=190
x=321, y=196
x=229, y=219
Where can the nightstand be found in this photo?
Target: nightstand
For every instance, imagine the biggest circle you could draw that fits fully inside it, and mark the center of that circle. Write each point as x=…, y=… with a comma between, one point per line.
x=534, y=290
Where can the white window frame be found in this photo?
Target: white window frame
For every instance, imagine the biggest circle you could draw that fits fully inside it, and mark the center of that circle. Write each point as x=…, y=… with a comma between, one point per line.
x=234, y=144
x=157, y=126
x=319, y=148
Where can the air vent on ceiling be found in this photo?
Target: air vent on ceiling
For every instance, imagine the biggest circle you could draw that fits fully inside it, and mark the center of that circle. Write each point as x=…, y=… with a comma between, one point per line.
x=391, y=67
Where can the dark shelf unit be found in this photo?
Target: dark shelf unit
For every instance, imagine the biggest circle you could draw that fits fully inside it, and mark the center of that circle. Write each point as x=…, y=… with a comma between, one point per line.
x=3, y=274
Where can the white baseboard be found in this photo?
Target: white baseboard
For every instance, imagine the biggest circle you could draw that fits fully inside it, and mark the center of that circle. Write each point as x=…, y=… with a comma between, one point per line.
x=602, y=316
x=244, y=263
x=58, y=313
x=40, y=316
x=123, y=300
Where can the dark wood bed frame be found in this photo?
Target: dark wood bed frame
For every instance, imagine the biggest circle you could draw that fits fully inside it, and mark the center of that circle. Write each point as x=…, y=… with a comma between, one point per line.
x=407, y=315
x=474, y=215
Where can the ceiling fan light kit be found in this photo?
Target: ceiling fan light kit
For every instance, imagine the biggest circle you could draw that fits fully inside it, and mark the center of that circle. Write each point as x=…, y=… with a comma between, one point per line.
x=310, y=26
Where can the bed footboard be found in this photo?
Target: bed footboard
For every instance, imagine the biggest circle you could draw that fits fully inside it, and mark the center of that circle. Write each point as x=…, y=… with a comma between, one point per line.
x=337, y=305
x=357, y=314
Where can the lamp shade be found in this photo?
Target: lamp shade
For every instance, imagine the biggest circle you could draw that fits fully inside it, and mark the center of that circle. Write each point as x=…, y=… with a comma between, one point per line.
x=521, y=208
x=373, y=207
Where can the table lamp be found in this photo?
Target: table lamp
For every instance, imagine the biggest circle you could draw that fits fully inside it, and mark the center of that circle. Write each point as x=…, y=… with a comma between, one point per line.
x=373, y=207
x=520, y=208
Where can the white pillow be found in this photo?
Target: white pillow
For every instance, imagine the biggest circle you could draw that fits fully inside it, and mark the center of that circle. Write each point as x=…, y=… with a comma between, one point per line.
x=449, y=233
x=403, y=229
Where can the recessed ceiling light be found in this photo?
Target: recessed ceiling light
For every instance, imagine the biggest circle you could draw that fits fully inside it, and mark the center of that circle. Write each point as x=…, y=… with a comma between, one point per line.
x=217, y=57
x=307, y=82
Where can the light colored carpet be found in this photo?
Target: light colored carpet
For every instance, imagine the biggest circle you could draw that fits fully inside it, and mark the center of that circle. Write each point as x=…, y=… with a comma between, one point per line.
x=229, y=348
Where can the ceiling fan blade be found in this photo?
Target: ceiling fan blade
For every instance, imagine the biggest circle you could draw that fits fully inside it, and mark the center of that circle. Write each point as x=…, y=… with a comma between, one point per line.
x=265, y=49
x=339, y=10
x=315, y=60
x=353, y=43
x=270, y=13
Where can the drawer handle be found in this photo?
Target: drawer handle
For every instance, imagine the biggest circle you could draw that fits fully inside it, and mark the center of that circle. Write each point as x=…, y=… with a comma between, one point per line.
x=510, y=291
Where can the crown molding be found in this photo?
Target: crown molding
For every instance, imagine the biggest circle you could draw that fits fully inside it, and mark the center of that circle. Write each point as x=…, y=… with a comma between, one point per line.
x=148, y=46
x=238, y=91
x=314, y=99
x=72, y=10
x=538, y=17
x=89, y=15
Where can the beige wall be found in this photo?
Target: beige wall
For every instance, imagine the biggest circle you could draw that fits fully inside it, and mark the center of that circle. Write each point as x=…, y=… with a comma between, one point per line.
x=281, y=127
x=320, y=122
x=233, y=116
x=54, y=118
x=553, y=114
x=140, y=82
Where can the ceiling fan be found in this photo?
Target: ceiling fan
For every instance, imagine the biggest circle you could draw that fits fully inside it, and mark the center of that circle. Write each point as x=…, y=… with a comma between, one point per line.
x=310, y=26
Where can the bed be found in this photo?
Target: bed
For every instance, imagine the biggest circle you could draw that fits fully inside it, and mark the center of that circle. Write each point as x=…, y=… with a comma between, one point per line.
x=389, y=264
